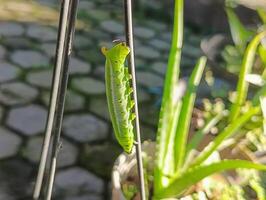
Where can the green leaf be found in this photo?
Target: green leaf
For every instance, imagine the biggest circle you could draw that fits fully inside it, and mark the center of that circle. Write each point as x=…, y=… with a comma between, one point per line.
x=169, y=108
x=186, y=112
x=195, y=174
x=262, y=53
x=262, y=14
x=263, y=108
x=228, y=131
x=242, y=85
x=239, y=33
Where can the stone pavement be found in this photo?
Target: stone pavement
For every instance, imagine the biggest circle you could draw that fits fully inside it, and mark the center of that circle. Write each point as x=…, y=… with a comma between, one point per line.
x=89, y=148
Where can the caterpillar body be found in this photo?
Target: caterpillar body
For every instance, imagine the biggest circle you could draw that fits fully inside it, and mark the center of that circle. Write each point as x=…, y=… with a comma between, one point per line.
x=118, y=92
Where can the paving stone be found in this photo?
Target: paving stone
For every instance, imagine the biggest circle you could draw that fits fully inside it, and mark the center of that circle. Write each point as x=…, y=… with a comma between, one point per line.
x=74, y=101
x=147, y=53
x=82, y=42
x=84, y=128
x=77, y=66
x=85, y=197
x=149, y=80
x=99, y=106
x=102, y=167
x=7, y=72
x=9, y=143
x=160, y=44
x=29, y=59
x=99, y=15
x=167, y=36
x=143, y=96
x=159, y=67
x=16, y=179
x=191, y=51
x=157, y=25
x=41, y=33
x=9, y=29
x=91, y=55
x=76, y=180
x=88, y=86
x=143, y=33
x=2, y=52
x=29, y=120
x=41, y=78
x=67, y=156
x=17, y=93
x=112, y=27
x=18, y=43
x=86, y=5
x=49, y=49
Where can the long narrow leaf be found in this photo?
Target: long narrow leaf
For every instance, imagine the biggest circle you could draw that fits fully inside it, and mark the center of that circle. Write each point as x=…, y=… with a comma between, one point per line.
x=239, y=33
x=263, y=108
x=228, y=131
x=259, y=93
x=262, y=14
x=186, y=112
x=242, y=86
x=169, y=107
x=196, y=174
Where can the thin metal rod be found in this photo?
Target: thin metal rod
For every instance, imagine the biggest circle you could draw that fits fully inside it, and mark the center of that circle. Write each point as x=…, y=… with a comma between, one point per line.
x=61, y=95
x=53, y=98
x=131, y=62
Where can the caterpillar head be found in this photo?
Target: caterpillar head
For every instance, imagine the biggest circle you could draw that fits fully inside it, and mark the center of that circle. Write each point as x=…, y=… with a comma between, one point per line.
x=117, y=54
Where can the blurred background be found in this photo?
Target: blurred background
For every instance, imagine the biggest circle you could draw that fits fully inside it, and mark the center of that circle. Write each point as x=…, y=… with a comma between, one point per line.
x=28, y=31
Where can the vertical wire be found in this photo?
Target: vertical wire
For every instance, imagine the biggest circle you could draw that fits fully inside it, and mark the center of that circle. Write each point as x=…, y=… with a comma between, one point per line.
x=61, y=95
x=53, y=98
x=131, y=61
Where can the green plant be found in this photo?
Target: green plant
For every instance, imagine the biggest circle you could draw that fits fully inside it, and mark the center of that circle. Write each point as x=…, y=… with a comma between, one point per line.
x=175, y=171
x=178, y=165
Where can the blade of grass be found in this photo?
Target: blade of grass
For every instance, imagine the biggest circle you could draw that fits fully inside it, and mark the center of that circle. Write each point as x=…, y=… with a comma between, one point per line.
x=196, y=174
x=262, y=14
x=239, y=33
x=228, y=131
x=242, y=86
x=168, y=108
x=259, y=93
x=198, y=136
x=186, y=113
x=263, y=108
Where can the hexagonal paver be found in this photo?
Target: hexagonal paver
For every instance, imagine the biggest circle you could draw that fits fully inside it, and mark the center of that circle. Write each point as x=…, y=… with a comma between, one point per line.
x=7, y=72
x=29, y=59
x=48, y=48
x=9, y=143
x=147, y=52
x=77, y=180
x=2, y=52
x=67, y=155
x=10, y=29
x=42, y=33
x=148, y=79
x=17, y=93
x=29, y=120
x=77, y=66
x=41, y=78
x=159, y=67
x=99, y=106
x=89, y=86
x=143, y=32
x=112, y=26
x=84, y=128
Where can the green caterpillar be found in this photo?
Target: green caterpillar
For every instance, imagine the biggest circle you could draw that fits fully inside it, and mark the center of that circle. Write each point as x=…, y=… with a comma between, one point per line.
x=118, y=92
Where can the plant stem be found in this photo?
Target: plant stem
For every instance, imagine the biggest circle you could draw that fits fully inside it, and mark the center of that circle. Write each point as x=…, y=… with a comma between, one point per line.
x=242, y=85
x=131, y=61
x=169, y=107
